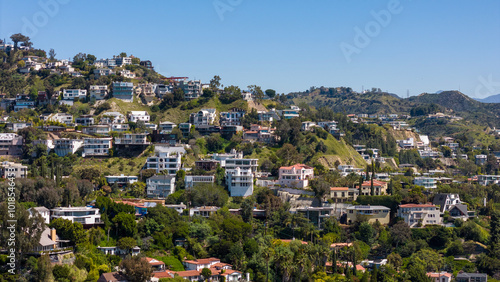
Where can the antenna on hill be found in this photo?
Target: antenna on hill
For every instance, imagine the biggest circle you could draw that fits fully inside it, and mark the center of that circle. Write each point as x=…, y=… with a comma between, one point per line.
x=407, y=93
x=362, y=88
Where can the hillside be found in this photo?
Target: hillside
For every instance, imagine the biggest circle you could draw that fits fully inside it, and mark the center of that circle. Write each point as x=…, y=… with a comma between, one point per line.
x=490, y=99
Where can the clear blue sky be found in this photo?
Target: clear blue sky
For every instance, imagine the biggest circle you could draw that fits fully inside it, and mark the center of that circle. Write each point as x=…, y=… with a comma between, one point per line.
x=285, y=45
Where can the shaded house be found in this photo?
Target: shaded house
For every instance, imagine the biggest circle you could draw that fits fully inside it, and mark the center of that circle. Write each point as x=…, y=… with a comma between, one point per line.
x=371, y=213
x=163, y=137
x=49, y=242
x=471, y=277
x=207, y=165
x=379, y=187
x=113, y=277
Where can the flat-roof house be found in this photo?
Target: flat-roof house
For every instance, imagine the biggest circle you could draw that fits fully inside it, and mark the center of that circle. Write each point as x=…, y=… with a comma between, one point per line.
x=416, y=215
x=160, y=186
x=83, y=215
x=371, y=213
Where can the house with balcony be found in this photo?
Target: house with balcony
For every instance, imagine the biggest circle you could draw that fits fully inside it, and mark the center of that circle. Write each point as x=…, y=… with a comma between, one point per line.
x=308, y=126
x=205, y=211
x=269, y=116
x=120, y=127
x=49, y=242
x=63, y=118
x=11, y=169
x=121, y=179
x=72, y=94
x=233, y=163
x=426, y=182
x=471, y=277
x=167, y=126
x=98, y=92
x=371, y=213
x=103, y=72
x=160, y=186
x=192, y=89
x=343, y=194
x=163, y=89
x=379, y=188
x=42, y=211
x=135, y=116
x=65, y=146
x=296, y=176
x=112, y=117
x=232, y=117
x=132, y=139
x=100, y=129
x=488, y=179
x=23, y=102
x=87, y=216
x=146, y=91
x=191, y=180
x=123, y=91
x=171, y=162
x=203, y=117
x=419, y=215
x=185, y=128
x=97, y=147
x=127, y=74
x=85, y=120
x=11, y=145
x=293, y=112
x=317, y=215
x=239, y=182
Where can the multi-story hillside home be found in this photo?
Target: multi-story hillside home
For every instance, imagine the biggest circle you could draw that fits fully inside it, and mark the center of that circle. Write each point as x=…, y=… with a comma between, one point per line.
x=146, y=91
x=121, y=179
x=96, y=147
x=481, y=159
x=296, y=176
x=308, y=126
x=426, y=182
x=85, y=120
x=165, y=161
x=65, y=146
x=122, y=61
x=269, y=116
x=63, y=118
x=343, y=194
x=258, y=133
x=135, y=116
x=71, y=94
x=471, y=277
x=98, y=92
x=239, y=181
x=192, y=89
x=167, y=126
x=488, y=179
x=132, y=139
x=127, y=74
x=120, y=127
x=15, y=126
x=191, y=180
x=163, y=89
x=16, y=170
x=371, y=213
x=11, y=145
x=185, y=128
x=233, y=117
x=84, y=215
x=112, y=117
x=160, y=186
x=203, y=117
x=293, y=112
x=317, y=215
x=233, y=163
x=417, y=215
x=103, y=72
x=101, y=129
x=123, y=91
x=23, y=102
x=379, y=188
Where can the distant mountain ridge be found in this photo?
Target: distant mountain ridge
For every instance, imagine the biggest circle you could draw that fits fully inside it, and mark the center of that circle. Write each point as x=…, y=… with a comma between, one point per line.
x=490, y=99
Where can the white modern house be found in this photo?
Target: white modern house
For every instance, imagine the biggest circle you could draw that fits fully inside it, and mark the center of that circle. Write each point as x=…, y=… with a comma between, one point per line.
x=203, y=117
x=11, y=169
x=64, y=118
x=160, y=186
x=239, y=182
x=426, y=182
x=416, y=215
x=191, y=180
x=233, y=163
x=112, y=117
x=83, y=215
x=135, y=116
x=132, y=139
x=167, y=126
x=296, y=176
x=71, y=94
x=97, y=147
x=43, y=211
x=65, y=146
x=165, y=161
x=121, y=179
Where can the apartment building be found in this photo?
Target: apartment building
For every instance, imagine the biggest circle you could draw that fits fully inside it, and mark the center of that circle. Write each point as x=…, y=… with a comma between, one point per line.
x=123, y=91
x=132, y=139
x=165, y=161
x=71, y=94
x=426, y=182
x=192, y=89
x=232, y=117
x=418, y=215
x=239, y=181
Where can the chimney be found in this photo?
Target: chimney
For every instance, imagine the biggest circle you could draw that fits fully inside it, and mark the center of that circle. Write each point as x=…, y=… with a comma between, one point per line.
x=53, y=235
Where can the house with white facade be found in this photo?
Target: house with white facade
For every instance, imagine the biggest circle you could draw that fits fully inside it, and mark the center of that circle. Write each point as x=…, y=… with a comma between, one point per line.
x=296, y=176
x=11, y=145
x=65, y=146
x=167, y=127
x=160, y=186
x=85, y=120
x=191, y=180
x=43, y=211
x=165, y=161
x=426, y=182
x=97, y=147
x=83, y=215
x=135, y=116
x=112, y=117
x=11, y=169
x=121, y=179
x=98, y=92
x=132, y=139
x=71, y=94
x=203, y=117
x=417, y=215
x=239, y=181
x=233, y=163
x=63, y=118
x=103, y=72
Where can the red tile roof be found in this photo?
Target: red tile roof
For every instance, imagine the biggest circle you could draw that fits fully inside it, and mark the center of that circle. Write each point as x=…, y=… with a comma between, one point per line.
x=203, y=261
x=339, y=188
x=153, y=261
x=417, y=206
x=188, y=273
x=296, y=166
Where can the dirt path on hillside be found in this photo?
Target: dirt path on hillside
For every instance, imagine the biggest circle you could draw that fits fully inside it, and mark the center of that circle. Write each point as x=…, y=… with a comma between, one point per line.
x=256, y=105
